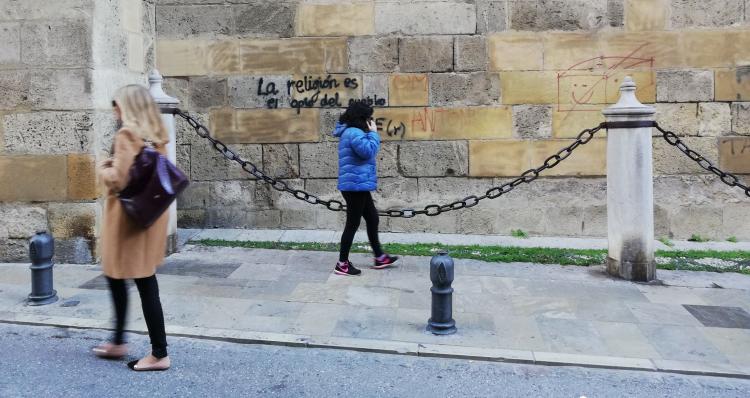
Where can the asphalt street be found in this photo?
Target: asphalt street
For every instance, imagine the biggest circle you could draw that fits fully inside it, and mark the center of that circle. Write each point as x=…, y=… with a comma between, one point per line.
x=39, y=361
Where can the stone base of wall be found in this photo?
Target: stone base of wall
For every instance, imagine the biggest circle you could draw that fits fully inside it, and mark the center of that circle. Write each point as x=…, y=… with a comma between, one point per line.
x=574, y=207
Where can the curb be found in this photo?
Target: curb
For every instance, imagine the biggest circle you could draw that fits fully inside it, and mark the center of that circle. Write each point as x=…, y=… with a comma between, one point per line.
x=403, y=348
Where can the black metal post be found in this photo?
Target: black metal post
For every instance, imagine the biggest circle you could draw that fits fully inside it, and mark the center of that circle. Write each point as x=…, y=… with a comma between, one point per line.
x=441, y=275
x=41, y=250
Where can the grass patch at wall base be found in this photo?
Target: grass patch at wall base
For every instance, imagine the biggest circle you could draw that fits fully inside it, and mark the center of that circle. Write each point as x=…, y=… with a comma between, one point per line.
x=693, y=260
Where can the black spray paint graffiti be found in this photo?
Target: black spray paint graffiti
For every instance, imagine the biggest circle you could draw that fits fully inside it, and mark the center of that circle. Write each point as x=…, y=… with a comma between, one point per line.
x=314, y=97
x=390, y=127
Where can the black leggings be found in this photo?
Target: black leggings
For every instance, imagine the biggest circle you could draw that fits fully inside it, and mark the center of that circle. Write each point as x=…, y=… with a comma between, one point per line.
x=148, y=289
x=358, y=205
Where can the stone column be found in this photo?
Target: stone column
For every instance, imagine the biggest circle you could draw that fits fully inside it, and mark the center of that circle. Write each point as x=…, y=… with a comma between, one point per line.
x=630, y=191
x=168, y=105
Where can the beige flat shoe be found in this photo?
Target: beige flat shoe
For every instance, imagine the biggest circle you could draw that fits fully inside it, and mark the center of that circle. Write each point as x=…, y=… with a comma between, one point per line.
x=150, y=364
x=110, y=351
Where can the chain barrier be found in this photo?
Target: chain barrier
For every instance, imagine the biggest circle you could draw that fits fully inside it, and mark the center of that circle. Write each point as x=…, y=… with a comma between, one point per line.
x=727, y=178
x=430, y=210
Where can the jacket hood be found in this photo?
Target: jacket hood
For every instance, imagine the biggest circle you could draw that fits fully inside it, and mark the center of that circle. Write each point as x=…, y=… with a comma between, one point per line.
x=339, y=129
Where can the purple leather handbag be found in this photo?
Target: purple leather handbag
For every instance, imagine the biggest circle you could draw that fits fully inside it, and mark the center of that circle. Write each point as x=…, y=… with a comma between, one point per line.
x=154, y=184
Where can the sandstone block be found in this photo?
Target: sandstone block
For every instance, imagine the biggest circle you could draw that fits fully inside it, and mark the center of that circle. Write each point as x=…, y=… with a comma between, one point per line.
x=14, y=250
x=223, y=57
x=444, y=224
x=684, y=86
x=266, y=125
x=328, y=119
x=62, y=89
x=10, y=48
x=395, y=193
x=529, y=87
x=354, y=19
x=733, y=84
x=523, y=218
x=135, y=50
x=476, y=221
x=260, y=56
x=433, y=159
x=491, y=16
x=21, y=221
x=208, y=92
x=182, y=22
x=207, y=164
x=663, y=49
x=425, y=18
x=682, y=118
x=373, y=54
x=515, y=51
x=563, y=221
x=232, y=194
x=532, y=121
x=191, y=218
x=226, y=217
x=408, y=89
x=669, y=160
x=81, y=177
x=185, y=134
x=456, y=89
x=698, y=220
x=594, y=221
x=281, y=161
x=48, y=132
x=62, y=43
x=646, y=15
x=570, y=124
x=33, y=178
x=196, y=196
x=721, y=48
x=319, y=160
x=388, y=160
x=696, y=13
x=131, y=15
x=74, y=251
x=714, y=119
x=183, y=158
x=734, y=154
x=264, y=18
x=16, y=89
x=256, y=91
x=587, y=160
x=448, y=189
x=182, y=57
x=337, y=54
x=376, y=87
x=426, y=54
x=73, y=220
x=539, y=15
x=444, y=123
x=615, y=13
x=741, y=118
x=304, y=219
x=567, y=50
x=269, y=219
x=735, y=223
x=470, y=53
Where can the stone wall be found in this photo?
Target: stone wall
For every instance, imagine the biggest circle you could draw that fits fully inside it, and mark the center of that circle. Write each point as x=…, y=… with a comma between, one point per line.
x=469, y=94
x=59, y=65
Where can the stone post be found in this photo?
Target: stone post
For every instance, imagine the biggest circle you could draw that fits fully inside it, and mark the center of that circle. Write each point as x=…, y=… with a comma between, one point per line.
x=168, y=105
x=630, y=189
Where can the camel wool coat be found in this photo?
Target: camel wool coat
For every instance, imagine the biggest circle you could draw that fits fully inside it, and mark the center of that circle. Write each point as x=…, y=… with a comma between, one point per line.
x=128, y=250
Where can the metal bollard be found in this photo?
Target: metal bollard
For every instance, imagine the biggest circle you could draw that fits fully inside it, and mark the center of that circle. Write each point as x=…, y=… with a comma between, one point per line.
x=441, y=275
x=41, y=250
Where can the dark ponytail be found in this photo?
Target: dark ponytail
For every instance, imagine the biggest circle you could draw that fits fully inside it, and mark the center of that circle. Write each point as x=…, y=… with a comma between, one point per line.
x=357, y=115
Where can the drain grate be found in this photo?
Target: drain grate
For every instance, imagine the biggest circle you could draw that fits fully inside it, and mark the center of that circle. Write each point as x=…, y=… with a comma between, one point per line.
x=720, y=317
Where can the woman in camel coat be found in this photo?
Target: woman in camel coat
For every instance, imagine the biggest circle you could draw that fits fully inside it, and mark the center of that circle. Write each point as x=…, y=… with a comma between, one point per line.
x=128, y=250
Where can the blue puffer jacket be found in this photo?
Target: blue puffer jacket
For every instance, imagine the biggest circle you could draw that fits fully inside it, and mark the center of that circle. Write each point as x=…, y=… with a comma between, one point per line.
x=357, y=158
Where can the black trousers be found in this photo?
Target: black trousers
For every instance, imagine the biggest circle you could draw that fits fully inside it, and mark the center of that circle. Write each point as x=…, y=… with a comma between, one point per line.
x=148, y=289
x=359, y=205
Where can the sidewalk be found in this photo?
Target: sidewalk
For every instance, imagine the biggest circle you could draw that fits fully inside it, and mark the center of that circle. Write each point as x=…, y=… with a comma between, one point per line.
x=694, y=322
x=323, y=236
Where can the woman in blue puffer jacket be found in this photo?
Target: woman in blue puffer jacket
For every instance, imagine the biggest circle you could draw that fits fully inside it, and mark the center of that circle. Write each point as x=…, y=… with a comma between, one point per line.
x=358, y=149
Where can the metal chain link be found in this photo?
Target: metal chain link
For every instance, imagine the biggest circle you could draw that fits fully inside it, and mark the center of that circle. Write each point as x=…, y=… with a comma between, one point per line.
x=430, y=210
x=725, y=177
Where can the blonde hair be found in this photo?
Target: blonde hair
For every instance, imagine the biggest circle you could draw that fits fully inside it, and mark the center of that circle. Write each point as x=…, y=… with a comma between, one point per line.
x=140, y=113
